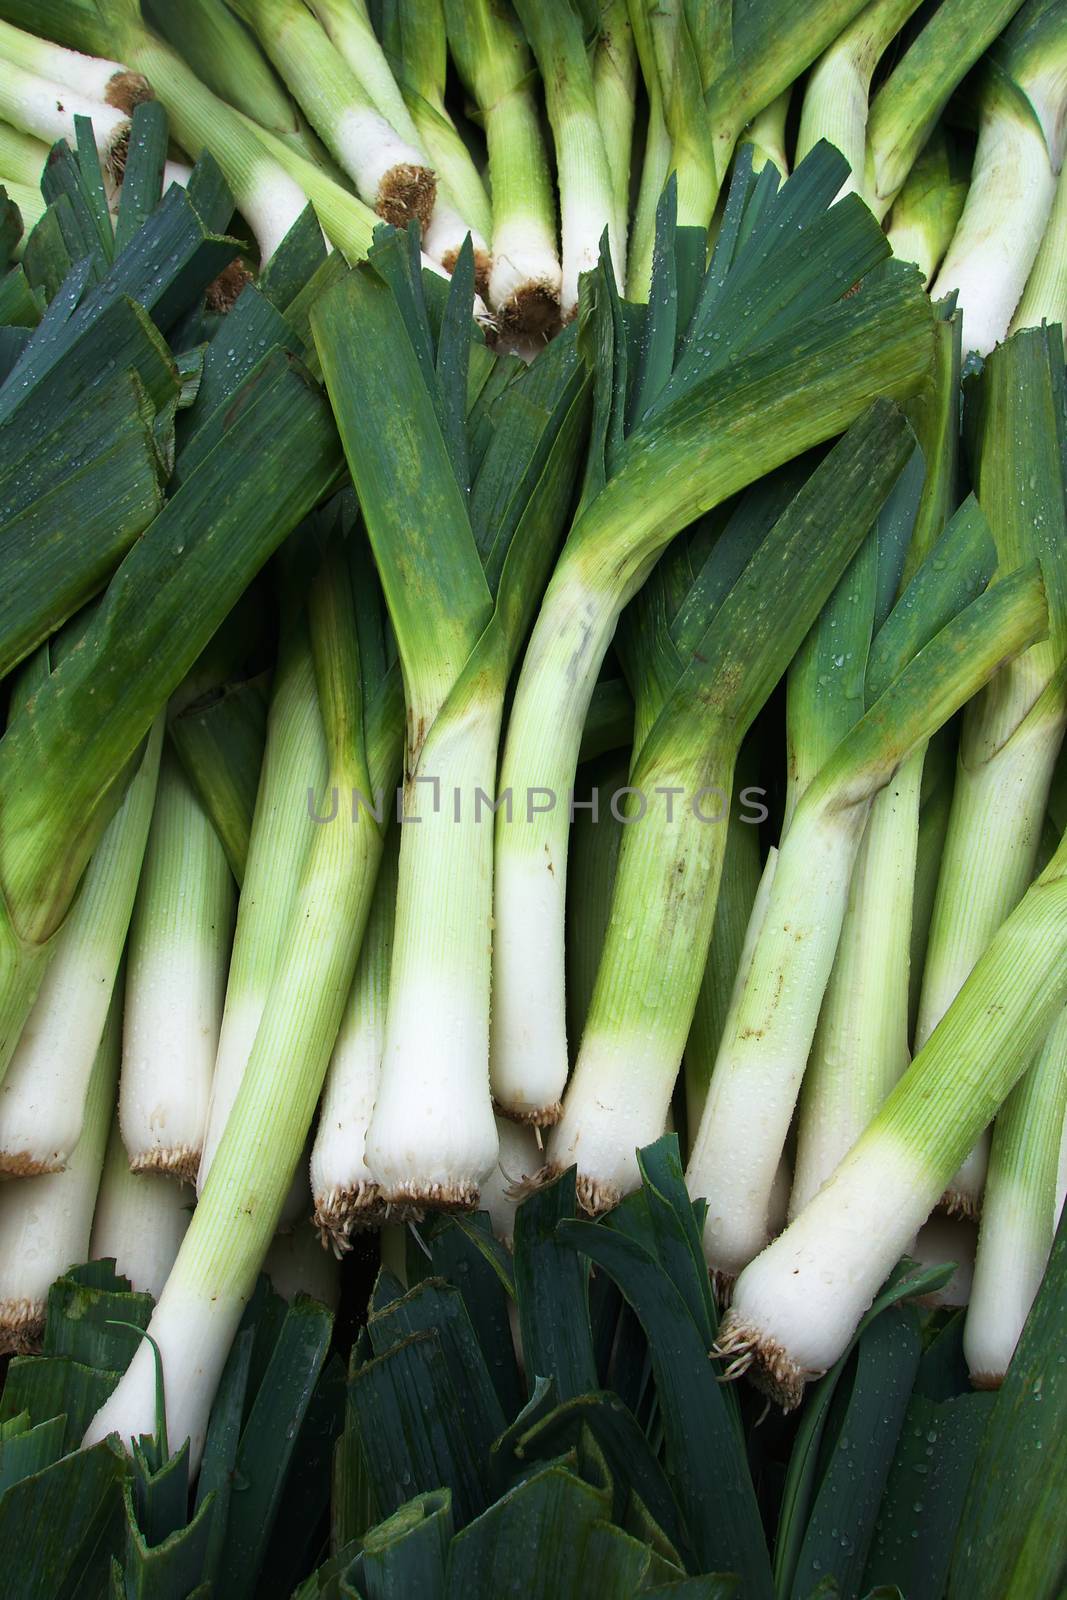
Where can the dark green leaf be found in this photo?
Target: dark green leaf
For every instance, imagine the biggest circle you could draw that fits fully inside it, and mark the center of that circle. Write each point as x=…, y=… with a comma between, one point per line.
x=551, y=1283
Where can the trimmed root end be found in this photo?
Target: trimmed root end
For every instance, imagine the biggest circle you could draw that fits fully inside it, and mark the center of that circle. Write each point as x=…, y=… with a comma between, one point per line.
x=127, y=90
x=181, y=1161
x=596, y=1196
x=748, y=1351
x=955, y=1203
x=531, y=312
x=223, y=292
x=344, y=1212
x=21, y=1327
x=544, y=1117
x=416, y=1196
x=115, y=156
x=986, y=1380
x=481, y=268
x=406, y=191
x=519, y=1189
x=20, y=1164
x=723, y=1285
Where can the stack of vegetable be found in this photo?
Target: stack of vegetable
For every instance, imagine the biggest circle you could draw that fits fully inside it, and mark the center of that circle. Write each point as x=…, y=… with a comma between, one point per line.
x=527, y=624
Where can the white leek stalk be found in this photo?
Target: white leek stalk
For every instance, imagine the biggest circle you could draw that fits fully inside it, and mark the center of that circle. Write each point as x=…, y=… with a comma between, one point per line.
x=139, y=1221
x=941, y=1239
x=587, y=200
x=294, y=763
x=495, y=65
x=925, y=213
x=345, y=1194
x=1011, y=735
x=1017, y=1226
x=45, y=1222
x=796, y=1306
x=1045, y=296
x=349, y=28
x=47, y=111
x=761, y=1062
x=389, y=172
x=836, y=94
x=909, y=102
x=519, y=1163
x=1021, y=137
x=43, y=1096
x=296, y=1265
x=175, y=982
x=95, y=78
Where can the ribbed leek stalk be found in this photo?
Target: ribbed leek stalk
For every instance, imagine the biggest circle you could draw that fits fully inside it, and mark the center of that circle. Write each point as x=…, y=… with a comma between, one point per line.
x=796, y=1306
x=1017, y=1224
x=1022, y=134
x=495, y=65
x=587, y=193
x=860, y=1047
x=345, y=1194
x=655, y=166
x=614, y=83
x=1011, y=735
x=1045, y=296
x=836, y=94
x=463, y=560
x=751, y=389
x=22, y=157
x=140, y=1219
x=238, y=1213
x=924, y=673
x=731, y=648
x=767, y=135
x=175, y=982
x=294, y=765
x=927, y=209
x=389, y=173
x=45, y=1222
x=907, y=105
x=95, y=78
x=43, y=1095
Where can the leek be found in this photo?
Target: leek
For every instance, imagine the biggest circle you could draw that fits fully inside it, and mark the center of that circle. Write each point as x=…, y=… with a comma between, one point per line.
x=614, y=66
x=797, y=1305
x=344, y=1193
x=96, y=79
x=494, y=63
x=754, y=385
x=22, y=157
x=296, y=1266
x=766, y=133
x=139, y=1221
x=175, y=982
x=1022, y=134
x=1018, y=1222
x=518, y=1169
x=45, y=1224
x=927, y=209
x=656, y=162
x=1011, y=735
x=596, y=834
x=47, y=111
x=929, y=658
x=1045, y=296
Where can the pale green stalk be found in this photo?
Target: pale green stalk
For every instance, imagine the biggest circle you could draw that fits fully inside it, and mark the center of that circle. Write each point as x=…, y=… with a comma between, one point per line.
x=696, y=162
x=614, y=90
x=31, y=204
x=494, y=63
x=928, y=207
x=1017, y=1225
x=766, y=134
x=45, y=1223
x=140, y=1219
x=343, y=217
x=796, y=1307
x=179, y=953
x=1022, y=133
x=838, y=88
x=587, y=200
x=43, y=1095
x=22, y=157
x=655, y=166
x=1045, y=296
x=910, y=101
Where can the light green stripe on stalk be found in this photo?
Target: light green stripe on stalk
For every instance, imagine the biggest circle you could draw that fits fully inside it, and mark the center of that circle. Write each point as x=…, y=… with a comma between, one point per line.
x=1045, y=296
x=1012, y=734
x=344, y=218
x=584, y=177
x=1018, y=1211
x=671, y=856
x=762, y=1061
x=237, y=1216
x=495, y=66
x=220, y=742
x=910, y=101
x=45, y=1223
x=836, y=94
x=797, y=1305
x=766, y=133
x=350, y=31
x=614, y=88
x=42, y=1096
x=22, y=157
x=139, y=1221
x=927, y=209
x=656, y=164
x=678, y=71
